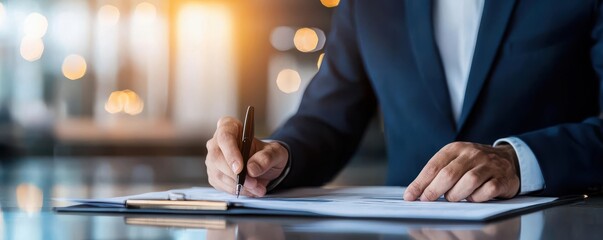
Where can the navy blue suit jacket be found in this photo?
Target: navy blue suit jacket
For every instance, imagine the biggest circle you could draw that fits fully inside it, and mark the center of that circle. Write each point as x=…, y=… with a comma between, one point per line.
x=536, y=75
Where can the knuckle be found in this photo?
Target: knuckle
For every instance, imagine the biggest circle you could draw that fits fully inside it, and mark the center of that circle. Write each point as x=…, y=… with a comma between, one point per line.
x=274, y=147
x=224, y=120
x=263, y=158
x=448, y=173
x=472, y=177
x=224, y=135
x=430, y=170
x=455, y=145
x=210, y=144
x=475, y=153
x=493, y=189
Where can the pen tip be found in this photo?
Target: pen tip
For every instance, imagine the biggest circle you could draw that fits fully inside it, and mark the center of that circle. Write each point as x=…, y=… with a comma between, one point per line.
x=238, y=190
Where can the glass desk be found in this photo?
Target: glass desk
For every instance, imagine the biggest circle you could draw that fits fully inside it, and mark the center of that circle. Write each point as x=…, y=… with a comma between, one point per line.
x=28, y=185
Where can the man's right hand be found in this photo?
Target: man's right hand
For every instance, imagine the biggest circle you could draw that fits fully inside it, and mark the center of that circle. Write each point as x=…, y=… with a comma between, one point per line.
x=224, y=160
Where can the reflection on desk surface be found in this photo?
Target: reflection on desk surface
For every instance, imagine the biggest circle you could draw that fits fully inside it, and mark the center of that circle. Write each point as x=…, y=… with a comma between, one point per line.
x=27, y=187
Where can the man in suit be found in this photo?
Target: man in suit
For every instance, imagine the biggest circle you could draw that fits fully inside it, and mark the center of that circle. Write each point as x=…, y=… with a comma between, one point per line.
x=481, y=99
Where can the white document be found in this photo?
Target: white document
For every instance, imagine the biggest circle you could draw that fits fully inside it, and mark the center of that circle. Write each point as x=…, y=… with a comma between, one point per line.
x=354, y=202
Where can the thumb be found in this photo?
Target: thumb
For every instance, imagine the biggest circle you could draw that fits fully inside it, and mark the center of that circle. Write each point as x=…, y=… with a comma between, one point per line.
x=272, y=156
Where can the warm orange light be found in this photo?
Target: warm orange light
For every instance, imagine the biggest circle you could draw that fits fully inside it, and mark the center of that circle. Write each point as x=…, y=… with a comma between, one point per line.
x=134, y=104
x=116, y=102
x=320, y=58
x=305, y=40
x=330, y=3
x=35, y=25
x=31, y=49
x=126, y=101
x=189, y=18
x=108, y=15
x=288, y=81
x=29, y=198
x=145, y=12
x=74, y=67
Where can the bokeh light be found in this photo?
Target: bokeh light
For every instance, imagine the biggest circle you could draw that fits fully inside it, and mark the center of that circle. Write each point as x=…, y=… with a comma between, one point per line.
x=306, y=40
x=116, y=102
x=145, y=12
x=320, y=59
x=31, y=49
x=281, y=38
x=134, y=104
x=288, y=81
x=330, y=3
x=108, y=15
x=126, y=101
x=35, y=25
x=74, y=67
x=29, y=198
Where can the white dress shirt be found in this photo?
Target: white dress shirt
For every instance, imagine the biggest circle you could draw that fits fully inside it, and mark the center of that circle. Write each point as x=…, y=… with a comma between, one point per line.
x=456, y=26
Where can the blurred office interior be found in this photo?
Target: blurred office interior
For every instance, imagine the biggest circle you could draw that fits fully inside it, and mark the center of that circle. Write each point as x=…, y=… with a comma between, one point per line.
x=118, y=92
x=79, y=76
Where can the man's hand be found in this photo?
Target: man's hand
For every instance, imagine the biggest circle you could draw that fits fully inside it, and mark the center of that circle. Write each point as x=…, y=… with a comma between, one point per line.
x=224, y=160
x=471, y=171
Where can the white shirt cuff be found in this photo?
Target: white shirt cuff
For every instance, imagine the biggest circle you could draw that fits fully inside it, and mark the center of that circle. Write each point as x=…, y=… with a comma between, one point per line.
x=529, y=169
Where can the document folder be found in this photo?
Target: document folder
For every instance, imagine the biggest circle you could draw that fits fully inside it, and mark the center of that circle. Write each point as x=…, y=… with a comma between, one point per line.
x=351, y=202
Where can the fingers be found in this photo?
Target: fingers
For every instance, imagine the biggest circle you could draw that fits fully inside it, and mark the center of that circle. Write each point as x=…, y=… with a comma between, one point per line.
x=470, y=181
x=226, y=184
x=430, y=171
x=489, y=190
x=227, y=137
x=224, y=160
x=215, y=159
x=444, y=180
x=222, y=178
x=467, y=171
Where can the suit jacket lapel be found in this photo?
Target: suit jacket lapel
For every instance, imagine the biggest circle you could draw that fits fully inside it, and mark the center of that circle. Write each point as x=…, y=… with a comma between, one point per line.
x=494, y=21
x=427, y=56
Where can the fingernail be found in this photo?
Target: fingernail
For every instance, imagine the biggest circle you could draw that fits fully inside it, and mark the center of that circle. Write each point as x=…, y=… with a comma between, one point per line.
x=254, y=169
x=235, y=167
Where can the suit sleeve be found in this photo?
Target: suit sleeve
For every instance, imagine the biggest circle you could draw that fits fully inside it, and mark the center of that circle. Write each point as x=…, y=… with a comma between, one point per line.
x=334, y=112
x=571, y=155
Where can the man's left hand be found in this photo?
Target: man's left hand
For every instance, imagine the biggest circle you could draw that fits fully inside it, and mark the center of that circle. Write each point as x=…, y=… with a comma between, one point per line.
x=471, y=171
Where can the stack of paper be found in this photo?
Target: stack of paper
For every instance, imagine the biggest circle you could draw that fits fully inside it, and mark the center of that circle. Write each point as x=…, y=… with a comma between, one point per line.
x=355, y=202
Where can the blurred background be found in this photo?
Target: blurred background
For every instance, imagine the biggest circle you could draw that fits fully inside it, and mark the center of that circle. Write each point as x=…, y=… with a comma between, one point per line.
x=150, y=77
x=102, y=95
x=105, y=98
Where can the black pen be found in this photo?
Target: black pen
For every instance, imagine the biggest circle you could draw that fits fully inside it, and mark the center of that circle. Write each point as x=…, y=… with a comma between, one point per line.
x=245, y=147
